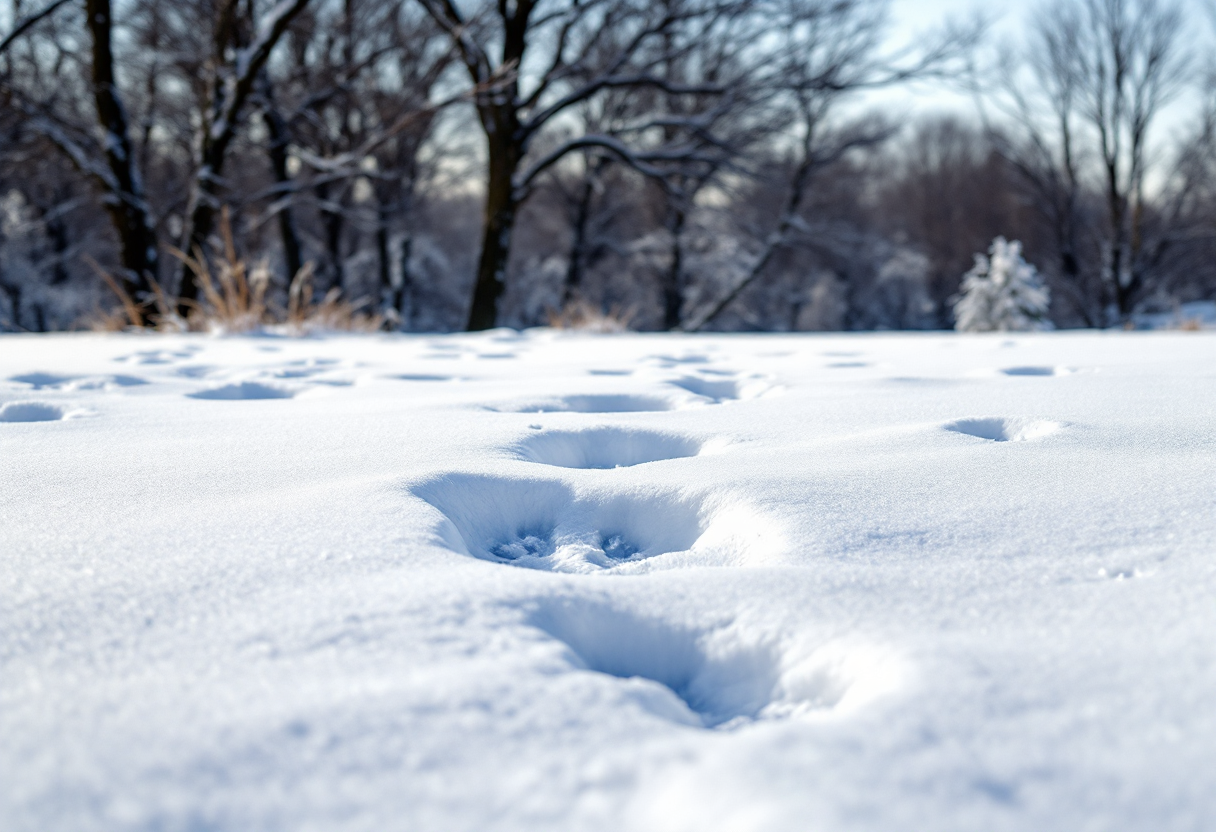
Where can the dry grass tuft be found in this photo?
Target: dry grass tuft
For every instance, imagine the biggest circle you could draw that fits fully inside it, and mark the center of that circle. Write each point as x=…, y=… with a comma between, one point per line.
x=581, y=316
x=332, y=313
x=234, y=299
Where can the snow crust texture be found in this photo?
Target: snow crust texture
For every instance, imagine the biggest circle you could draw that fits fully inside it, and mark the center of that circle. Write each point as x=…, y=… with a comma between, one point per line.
x=542, y=581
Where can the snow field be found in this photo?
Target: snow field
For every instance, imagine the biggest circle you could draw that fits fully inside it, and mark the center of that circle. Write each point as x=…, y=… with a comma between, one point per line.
x=540, y=581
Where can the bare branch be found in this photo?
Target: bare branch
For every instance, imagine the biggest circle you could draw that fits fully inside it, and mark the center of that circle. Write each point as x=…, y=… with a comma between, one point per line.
x=26, y=22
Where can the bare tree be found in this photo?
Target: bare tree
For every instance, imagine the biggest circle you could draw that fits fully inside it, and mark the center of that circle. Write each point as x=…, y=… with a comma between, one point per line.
x=125, y=198
x=534, y=65
x=829, y=50
x=241, y=46
x=1102, y=71
x=353, y=98
x=102, y=151
x=24, y=24
x=693, y=160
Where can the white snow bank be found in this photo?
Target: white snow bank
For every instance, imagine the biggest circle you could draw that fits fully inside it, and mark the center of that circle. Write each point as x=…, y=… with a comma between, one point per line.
x=769, y=583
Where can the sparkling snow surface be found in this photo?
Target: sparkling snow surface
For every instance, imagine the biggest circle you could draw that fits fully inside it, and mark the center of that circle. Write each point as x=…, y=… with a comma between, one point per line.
x=652, y=583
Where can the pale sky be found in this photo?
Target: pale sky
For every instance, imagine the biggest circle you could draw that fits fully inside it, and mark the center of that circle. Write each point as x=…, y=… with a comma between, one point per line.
x=909, y=18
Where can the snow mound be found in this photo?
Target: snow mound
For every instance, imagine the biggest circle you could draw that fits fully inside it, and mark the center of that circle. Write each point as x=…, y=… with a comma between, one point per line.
x=605, y=447
x=1002, y=429
x=30, y=412
x=861, y=612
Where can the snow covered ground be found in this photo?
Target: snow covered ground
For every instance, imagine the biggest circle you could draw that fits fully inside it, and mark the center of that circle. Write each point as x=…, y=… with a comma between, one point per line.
x=555, y=582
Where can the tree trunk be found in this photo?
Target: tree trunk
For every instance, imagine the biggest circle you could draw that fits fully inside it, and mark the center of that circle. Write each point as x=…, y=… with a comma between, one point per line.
x=13, y=292
x=403, y=295
x=203, y=201
x=500, y=209
x=578, y=246
x=125, y=202
x=57, y=232
x=576, y=264
x=227, y=94
x=384, y=270
x=673, y=278
x=277, y=132
x=332, y=222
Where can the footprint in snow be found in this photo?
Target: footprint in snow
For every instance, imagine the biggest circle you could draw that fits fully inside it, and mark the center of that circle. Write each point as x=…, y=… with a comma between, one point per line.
x=719, y=390
x=712, y=676
x=31, y=412
x=306, y=368
x=1035, y=371
x=161, y=356
x=545, y=524
x=422, y=377
x=1004, y=429
x=38, y=381
x=445, y=350
x=672, y=360
x=243, y=391
x=542, y=524
x=605, y=447
x=590, y=403
x=49, y=381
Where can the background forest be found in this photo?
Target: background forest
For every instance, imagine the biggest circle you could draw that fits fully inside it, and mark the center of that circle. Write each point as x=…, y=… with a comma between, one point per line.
x=676, y=164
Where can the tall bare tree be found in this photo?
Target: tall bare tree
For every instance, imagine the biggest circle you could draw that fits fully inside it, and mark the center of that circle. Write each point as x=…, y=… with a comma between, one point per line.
x=1086, y=98
x=241, y=45
x=828, y=50
x=533, y=62
x=125, y=198
x=102, y=151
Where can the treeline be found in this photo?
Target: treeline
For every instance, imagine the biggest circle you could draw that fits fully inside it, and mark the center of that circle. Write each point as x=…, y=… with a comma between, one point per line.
x=684, y=164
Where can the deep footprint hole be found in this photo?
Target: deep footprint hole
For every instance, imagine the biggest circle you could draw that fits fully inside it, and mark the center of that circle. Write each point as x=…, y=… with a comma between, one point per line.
x=1001, y=429
x=535, y=543
x=718, y=390
x=542, y=524
x=41, y=380
x=592, y=403
x=30, y=412
x=722, y=675
x=717, y=681
x=245, y=390
x=605, y=447
x=1032, y=371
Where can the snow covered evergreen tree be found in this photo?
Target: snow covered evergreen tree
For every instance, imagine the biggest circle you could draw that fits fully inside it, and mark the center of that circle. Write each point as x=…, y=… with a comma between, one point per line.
x=1002, y=293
